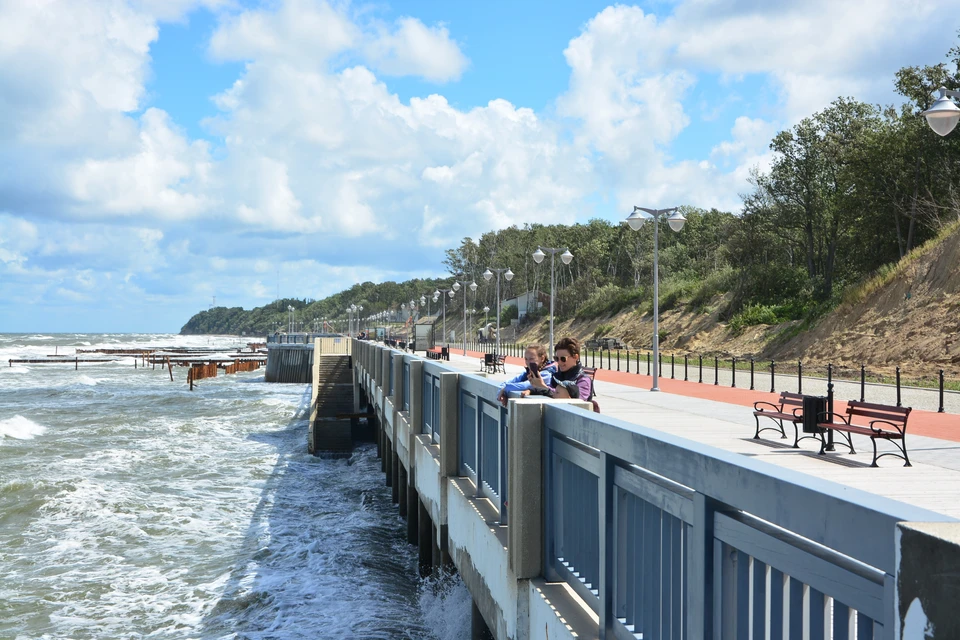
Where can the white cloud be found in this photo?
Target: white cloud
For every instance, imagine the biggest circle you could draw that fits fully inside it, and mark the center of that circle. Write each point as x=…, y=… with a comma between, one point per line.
x=165, y=174
x=306, y=32
x=319, y=156
x=418, y=50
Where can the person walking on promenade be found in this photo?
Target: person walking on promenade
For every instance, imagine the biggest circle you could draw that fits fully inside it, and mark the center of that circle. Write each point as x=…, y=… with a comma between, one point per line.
x=535, y=356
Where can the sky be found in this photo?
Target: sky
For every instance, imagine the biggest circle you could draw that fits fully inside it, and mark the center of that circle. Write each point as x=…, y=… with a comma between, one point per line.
x=157, y=156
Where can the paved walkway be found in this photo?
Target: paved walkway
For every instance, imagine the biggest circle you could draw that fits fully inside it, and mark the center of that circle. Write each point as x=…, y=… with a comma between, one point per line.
x=722, y=417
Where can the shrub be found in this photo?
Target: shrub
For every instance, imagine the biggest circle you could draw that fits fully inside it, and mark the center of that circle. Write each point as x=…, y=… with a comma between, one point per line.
x=609, y=299
x=754, y=315
x=602, y=330
x=716, y=283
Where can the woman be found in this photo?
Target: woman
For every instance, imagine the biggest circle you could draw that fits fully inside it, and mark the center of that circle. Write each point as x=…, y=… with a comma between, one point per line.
x=567, y=352
x=535, y=355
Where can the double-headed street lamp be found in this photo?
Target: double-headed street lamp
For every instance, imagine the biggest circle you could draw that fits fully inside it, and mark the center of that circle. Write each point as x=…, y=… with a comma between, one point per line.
x=676, y=221
x=487, y=275
x=445, y=292
x=943, y=114
x=566, y=257
x=473, y=287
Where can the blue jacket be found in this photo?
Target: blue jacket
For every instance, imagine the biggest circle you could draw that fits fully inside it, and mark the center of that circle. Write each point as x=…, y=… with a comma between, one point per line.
x=520, y=383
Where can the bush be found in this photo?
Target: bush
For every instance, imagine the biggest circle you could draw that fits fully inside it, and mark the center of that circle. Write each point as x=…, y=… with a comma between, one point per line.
x=716, y=283
x=759, y=314
x=508, y=313
x=602, y=330
x=609, y=299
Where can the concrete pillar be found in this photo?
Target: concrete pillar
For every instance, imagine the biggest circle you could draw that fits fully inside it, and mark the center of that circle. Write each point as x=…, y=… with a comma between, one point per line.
x=525, y=489
x=389, y=470
x=402, y=489
x=395, y=475
x=928, y=581
x=478, y=626
x=424, y=540
x=435, y=558
x=449, y=426
x=413, y=513
x=382, y=442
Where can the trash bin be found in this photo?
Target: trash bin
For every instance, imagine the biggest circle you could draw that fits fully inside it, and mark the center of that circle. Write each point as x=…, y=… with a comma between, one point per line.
x=813, y=408
x=445, y=353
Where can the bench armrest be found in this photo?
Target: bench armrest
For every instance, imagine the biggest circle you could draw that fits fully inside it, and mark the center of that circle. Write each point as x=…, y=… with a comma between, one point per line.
x=901, y=429
x=775, y=408
x=831, y=418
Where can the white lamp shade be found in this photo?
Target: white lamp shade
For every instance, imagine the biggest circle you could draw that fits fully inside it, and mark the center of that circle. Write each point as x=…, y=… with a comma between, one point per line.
x=942, y=116
x=637, y=218
x=487, y=275
x=486, y=309
x=456, y=286
x=566, y=257
x=450, y=293
x=508, y=275
x=676, y=221
x=539, y=255
x=436, y=294
x=423, y=300
x=473, y=286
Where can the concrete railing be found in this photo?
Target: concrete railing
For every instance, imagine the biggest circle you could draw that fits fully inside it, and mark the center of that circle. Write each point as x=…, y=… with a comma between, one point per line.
x=656, y=535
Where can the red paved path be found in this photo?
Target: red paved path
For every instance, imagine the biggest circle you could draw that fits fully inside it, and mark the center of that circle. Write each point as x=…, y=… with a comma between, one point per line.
x=945, y=426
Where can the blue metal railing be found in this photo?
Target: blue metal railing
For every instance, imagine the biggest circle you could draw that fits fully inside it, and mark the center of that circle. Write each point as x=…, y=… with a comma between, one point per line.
x=482, y=432
x=668, y=538
x=431, y=400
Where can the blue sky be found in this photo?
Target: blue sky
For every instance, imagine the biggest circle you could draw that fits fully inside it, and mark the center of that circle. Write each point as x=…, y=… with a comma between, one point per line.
x=162, y=152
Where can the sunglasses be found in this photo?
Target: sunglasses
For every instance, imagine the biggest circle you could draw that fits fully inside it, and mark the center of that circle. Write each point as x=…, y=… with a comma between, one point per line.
x=564, y=359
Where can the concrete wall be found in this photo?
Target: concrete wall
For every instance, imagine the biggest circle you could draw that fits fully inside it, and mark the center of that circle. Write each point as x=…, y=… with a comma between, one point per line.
x=289, y=363
x=928, y=581
x=502, y=563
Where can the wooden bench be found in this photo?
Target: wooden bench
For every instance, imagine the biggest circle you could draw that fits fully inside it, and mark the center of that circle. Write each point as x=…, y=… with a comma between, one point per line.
x=498, y=363
x=789, y=408
x=872, y=420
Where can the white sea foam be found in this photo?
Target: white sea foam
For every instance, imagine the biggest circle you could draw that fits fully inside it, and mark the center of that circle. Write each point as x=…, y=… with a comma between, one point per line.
x=20, y=428
x=87, y=381
x=443, y=601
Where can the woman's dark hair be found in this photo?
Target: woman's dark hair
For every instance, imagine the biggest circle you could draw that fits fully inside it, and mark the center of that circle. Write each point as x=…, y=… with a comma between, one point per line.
x=571, y=345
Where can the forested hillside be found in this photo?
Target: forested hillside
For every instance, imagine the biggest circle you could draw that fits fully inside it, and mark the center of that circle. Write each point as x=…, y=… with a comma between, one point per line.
x=849, y=192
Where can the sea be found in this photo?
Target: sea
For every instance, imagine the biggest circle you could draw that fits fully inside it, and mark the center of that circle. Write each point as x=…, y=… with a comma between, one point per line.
x=132, y=507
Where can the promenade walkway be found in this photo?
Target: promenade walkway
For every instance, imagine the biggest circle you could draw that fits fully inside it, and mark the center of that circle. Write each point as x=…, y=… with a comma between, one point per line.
x=722, y=417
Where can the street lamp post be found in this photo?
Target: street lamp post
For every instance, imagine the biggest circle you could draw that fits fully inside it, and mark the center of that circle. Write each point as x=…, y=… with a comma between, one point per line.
x=943, y=114
x=473, y=287
x=538, y=257
x=486, y=320
x=676, y=221
x=487, y=275
x=445, y=292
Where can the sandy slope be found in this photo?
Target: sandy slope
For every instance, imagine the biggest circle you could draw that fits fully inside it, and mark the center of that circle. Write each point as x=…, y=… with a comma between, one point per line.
x=913, y=322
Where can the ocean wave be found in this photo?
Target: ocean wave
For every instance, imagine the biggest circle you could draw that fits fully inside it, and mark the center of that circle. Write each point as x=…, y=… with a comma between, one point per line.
x=20, y=428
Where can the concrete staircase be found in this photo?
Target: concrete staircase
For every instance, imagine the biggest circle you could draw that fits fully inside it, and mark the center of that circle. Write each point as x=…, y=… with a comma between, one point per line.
x=332, y=396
